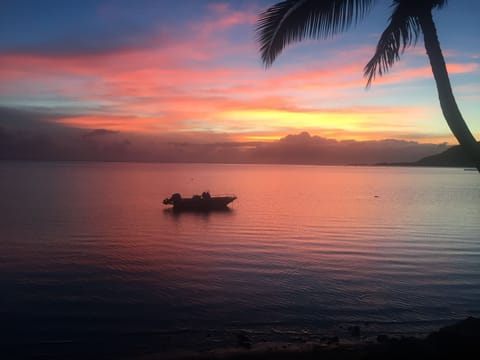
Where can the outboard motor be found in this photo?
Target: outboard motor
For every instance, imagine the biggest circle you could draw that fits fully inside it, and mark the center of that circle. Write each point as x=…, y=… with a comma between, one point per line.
x=172, y=199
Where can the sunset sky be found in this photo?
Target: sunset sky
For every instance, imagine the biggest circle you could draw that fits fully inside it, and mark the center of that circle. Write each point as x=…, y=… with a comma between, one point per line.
x=145, y=79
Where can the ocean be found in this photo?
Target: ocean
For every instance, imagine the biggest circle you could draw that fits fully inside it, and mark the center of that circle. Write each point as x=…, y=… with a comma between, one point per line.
x=90, y=258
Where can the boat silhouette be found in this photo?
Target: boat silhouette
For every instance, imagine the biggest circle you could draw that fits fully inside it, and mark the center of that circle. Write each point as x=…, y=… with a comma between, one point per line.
x=204, y=202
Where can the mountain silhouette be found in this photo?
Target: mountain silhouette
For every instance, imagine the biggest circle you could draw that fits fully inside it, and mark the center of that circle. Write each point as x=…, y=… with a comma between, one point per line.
x=452, y=157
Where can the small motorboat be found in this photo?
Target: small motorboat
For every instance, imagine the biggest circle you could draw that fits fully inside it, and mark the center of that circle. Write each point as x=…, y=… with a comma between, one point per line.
x=204, y=202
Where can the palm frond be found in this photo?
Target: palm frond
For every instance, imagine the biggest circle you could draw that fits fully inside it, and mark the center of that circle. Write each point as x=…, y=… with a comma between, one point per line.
x=439, y=3
x=294, y=20
x=401, y=32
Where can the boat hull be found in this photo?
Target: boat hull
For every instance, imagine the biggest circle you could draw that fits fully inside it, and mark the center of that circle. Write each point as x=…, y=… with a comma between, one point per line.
x=200, y=204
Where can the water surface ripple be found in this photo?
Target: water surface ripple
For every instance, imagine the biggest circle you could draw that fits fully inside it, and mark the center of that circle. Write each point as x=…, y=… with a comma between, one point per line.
x=88, y=249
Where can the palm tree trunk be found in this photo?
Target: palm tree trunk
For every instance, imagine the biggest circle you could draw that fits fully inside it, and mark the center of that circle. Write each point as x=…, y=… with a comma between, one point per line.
x=447, y=101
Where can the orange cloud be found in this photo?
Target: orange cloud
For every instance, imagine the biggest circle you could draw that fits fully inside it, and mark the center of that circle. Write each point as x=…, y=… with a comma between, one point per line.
x=127, y=124
x=186, y=84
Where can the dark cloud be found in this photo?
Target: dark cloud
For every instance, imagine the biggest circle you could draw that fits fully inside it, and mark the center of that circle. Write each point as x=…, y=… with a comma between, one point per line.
x=217, y=152
x=71, y=145
x=32, y=134
x=27, y=118
x=107, y=145
x=26, y=145
x=306, y=149
x=99, y=132
x=301, y=149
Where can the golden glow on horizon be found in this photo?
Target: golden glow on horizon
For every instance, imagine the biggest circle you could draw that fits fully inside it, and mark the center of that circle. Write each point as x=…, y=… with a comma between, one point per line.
x=340, y=135
x=278, y=118
x=348, y=120
x=340, y=126
x=193, y=85
x=262, y=138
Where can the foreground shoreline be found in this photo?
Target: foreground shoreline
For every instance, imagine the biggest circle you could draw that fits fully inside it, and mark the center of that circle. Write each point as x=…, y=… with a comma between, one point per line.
x=460, y=340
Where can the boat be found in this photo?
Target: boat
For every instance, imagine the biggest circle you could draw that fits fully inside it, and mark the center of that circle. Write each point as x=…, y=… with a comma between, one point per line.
x=204, y=202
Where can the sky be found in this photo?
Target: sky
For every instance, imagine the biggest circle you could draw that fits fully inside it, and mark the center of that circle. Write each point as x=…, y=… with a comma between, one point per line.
x=182, y=81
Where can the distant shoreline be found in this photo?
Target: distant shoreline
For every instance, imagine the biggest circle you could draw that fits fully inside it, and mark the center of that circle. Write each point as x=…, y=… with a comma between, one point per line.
x=453, y=157
x=387, y=164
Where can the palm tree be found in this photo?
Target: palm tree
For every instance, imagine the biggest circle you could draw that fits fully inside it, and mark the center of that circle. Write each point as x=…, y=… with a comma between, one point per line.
x=294, y=20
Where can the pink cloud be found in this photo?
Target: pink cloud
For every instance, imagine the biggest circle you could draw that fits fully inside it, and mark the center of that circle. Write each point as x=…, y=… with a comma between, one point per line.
x=178, y=83
x=224, y=18
x=147, y=97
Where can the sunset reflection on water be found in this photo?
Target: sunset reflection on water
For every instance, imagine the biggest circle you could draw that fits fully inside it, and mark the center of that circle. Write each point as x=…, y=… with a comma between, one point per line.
x=90, y=249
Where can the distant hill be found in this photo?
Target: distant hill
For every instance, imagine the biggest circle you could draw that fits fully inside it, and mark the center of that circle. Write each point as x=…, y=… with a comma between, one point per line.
x=452, y=157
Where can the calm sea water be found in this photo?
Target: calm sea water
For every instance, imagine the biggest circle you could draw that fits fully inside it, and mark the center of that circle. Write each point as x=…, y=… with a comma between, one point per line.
x=88, y=253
